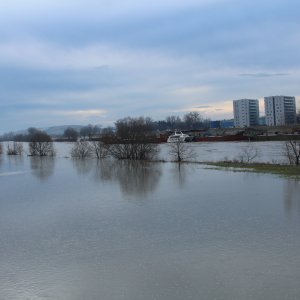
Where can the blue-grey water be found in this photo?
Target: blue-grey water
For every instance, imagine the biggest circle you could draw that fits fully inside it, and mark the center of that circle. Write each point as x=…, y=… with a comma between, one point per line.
x=82, y=229
x=272, y=152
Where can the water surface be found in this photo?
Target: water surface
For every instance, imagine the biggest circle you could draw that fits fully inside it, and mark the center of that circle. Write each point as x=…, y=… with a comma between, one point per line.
x=72, y=229
x=271, y=151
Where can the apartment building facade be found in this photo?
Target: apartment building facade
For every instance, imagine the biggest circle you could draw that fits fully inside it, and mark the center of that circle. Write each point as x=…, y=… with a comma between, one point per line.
x=280, y=110
x=246, y=112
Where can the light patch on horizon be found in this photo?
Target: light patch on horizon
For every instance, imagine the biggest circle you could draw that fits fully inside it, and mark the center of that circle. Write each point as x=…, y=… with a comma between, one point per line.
x=217, y=110
x=203, y=106
x=191, y=90
x=82, y=114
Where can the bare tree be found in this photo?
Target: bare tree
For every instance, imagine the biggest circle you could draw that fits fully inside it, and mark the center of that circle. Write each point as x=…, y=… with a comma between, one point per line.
x=292, y=152
x=107, y=131
x=71, y=133
x=96, y=130
x=134, y=151
x=41, y=144
x=134, y=139
x=32, y=131
x=120, y=151
x=86, y=131
x=81, y=149
x=15, y=149
x=134, y=129
x=181, y=151
x=248, y=154
x=100, y=149
x=174, y=122
x=108, y=135
x=192, y=120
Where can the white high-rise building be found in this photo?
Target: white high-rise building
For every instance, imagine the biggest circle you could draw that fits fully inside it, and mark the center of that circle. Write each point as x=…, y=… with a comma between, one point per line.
x=280, y=110
x=246, y=112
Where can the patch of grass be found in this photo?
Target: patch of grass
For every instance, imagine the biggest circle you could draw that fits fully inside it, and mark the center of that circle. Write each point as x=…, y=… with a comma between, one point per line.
x=284, y=170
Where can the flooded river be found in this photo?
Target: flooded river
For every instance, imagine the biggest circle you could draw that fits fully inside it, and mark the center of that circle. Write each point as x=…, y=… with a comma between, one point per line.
x=207, y=151
x=82, y=229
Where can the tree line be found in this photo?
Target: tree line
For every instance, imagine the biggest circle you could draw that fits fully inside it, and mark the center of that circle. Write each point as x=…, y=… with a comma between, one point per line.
x=131, y=138
x=190, y=121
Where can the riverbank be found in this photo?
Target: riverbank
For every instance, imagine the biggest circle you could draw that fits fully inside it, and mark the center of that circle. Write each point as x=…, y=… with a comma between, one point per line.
x=284, y=170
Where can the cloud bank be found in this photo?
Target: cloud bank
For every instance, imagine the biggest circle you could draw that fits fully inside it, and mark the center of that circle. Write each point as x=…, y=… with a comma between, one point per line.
x=119, y=58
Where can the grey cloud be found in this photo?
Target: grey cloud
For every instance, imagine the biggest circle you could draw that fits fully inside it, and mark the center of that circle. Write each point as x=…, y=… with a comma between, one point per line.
x=263, y=74
x=20, y=81
x=209, y=45
x=229, y=32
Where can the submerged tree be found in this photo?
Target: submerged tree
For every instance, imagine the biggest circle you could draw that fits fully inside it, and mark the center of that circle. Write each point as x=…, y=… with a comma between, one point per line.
x=15, y=149
x=248, y=154
x=41, y=144
x=292, y=152
x=99, y=149
x=181, y=151
x=134, y=151
x=81, y=149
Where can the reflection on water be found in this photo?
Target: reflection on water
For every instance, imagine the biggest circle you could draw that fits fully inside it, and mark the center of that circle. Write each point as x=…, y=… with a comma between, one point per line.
x=103, y=170
x=15, y=160
x=292, y=195
x=201, y=234
x=179, y=171
x=135, y=178
x=83, y=166
x=42, y=167
x=210, y=151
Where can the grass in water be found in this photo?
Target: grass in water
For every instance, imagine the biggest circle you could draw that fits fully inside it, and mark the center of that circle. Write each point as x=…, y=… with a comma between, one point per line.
x=284, y=170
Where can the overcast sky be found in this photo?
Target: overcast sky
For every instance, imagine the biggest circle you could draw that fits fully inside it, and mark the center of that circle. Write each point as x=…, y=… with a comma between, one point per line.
x=94, y=61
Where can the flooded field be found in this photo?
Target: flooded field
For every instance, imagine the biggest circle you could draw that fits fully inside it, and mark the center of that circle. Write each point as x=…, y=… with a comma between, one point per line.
x=84, y=229
x=207, y=151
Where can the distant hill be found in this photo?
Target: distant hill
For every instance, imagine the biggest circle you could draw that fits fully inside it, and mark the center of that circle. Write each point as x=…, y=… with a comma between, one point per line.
x=59, y=130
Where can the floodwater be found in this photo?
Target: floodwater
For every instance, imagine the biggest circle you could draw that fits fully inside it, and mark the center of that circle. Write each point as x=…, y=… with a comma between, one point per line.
x=82, y=229
x=272, y=151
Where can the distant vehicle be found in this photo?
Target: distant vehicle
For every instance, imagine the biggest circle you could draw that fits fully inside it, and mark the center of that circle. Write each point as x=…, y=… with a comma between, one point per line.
x=178, y=136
